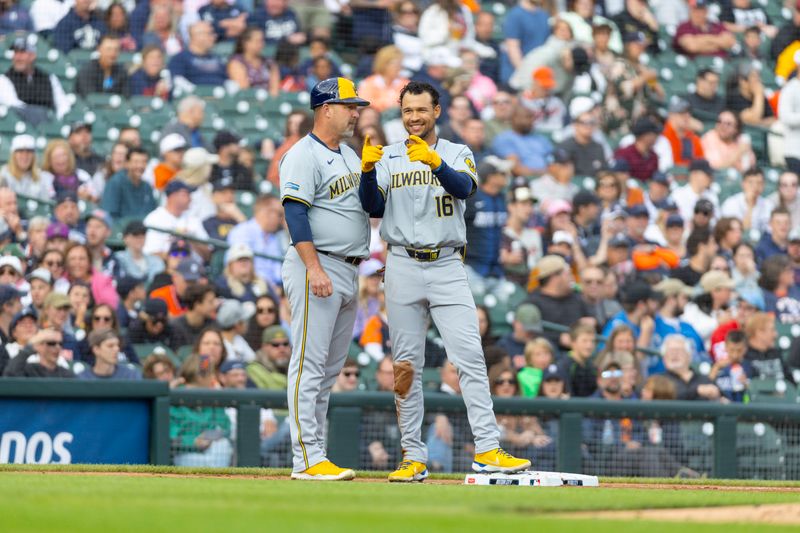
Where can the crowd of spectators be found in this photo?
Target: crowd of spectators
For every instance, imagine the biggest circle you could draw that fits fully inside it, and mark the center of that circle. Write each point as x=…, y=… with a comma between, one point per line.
x=616, y=203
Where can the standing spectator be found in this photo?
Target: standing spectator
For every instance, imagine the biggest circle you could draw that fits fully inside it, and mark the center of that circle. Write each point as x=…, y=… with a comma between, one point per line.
x=789, y=116
x=525, y=27
x=520, y=246
x=753, y=209
x=787, y=196
x=174, y=215
x=28, y=89
x=700, y=36
x=262, y=233
x=587, y=155
x=528, y=150
x=104, y=74
x=706, y=101
x=776, y=240
x=126, y=194
x=689, y=384
x=190, y=114
x=249, y=68
x=80, y=28
x=149, y=78
x=556, y=184
x=685, y=143
x=449, y=24
x=725, y=146
x=641, y=158
x=746, y=95
x=80, y=140
x=46, y=344
x=105, y=346
x=485, y=215
x=382, y=88
x=22, y=175
x=227, y=146
x=197, y=65
x=278, y=21
x=766, y=360
x=227, y=20
x=698, y=188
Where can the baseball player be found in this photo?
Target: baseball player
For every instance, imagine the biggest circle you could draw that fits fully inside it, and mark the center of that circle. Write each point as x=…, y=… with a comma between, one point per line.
x=319, y=178
x=420, y=186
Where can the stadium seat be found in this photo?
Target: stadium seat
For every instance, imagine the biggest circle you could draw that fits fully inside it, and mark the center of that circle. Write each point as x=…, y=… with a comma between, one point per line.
x=144, y=349
x=184, y=352
x=431, y=379
x=769, y=390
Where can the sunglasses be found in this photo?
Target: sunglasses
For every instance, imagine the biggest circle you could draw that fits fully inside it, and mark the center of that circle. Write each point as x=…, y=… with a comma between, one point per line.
x=279, y=344
x=606, y=374
x=53, y=343
x=4, y=271
x=592, y=281
x=179, y=253
x=54, y=263
x=265, y=310
x=586, y=122
x=351, y=374
x=64, y=308
x=102, y=318
x=505, y=381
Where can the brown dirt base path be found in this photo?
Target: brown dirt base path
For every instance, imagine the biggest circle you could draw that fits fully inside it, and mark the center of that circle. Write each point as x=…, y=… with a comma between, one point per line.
x=782, y=513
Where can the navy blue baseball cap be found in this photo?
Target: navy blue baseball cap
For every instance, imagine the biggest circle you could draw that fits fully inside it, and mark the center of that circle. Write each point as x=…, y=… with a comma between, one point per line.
x=231, y=364
x=335, y=91
x=177, y=185
x=637, y=210
x=8, y=293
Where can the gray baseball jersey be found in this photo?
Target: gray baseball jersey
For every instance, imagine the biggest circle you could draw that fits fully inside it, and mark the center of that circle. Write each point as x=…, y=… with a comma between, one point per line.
x=327, y=181
x=419, y=212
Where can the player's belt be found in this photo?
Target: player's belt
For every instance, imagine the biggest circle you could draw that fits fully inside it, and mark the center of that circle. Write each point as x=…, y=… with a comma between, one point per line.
x=353, y=260
x=428, y=255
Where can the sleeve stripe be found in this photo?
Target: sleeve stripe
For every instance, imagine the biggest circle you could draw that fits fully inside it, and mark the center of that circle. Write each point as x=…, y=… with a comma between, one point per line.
x=294, y=199
x=382, y=192
x=470, y=175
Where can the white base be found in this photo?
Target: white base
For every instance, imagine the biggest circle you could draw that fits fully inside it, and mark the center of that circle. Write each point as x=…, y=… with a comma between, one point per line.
x=530, y=478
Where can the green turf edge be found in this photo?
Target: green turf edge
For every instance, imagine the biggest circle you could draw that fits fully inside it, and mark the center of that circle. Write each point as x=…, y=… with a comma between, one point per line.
x=265, y=472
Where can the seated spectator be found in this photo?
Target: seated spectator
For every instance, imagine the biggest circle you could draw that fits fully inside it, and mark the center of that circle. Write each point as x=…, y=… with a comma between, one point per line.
x=577, y=365
x=127, y=194
x=539, y=355
x=556, y=298
x=278, y=21
x=46, y=345
x=105, y=346
x=520, y=246
x=227, y=214
x=132, y=261
x=131, y=295
x=201, y=308
x=705, y=102
x=79, y=268
x=149, y=79
x=526, y=326
x=753, y=209
x=238, y=280
x=228, y=21
x=686, y=146
x=160, y=367
x=227, y=146
x=485, y=215
x=233, y=317
x=587, y=155
x=201, y=434
x=98, y=231
x=637, y=16
x=549, y=112
x=459, y=112
x=689, y=385
x=554, y=384
x=638, y=301
x=640, y=157
x=80, y=141
x=80, y=28
x=31, y=91
x=711, y=308
x=776, y=240
x=104, y=74
x=781, y=293
x=182, y=272
x=696, y=191
x=725, y=146
x=161, y=30
x=172, y=148
x=730, y=374
x=319, y=47
x=15, y=18
x=528, y=150
x=700, y=36
x=740, y=15
x=382, y=88
x=746, y=96
x=582, y=17
x=59, y=160
x=151, y=326
x=172, y=216
x=41, y=282
x=270, y=367
x=765, y=359
x=347, y=380
x=556, y=184
x=116, y=20
x=267, y=314
x=23, y=327
x=197, y=65
x=22, y=174
x=787, y=196
x=263, y=234
x=190, y=113
x=674, y=296
x=249, y=68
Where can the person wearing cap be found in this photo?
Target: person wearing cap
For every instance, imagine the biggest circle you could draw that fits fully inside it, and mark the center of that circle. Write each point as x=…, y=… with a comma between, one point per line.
x=22, y=174
x=520, y=246
x=228, y=214
x=556, y=183
x=188, y=272
x=132, y=261
x=485, y=215
x=190, y=114
x=263, y=233
x=201, y=308
x=226, y=145
x=171, y=147
x=638, y=307
x=28, y=89
x=131, y=294
x=173, y=216
x=685, y=144
x=47, y=344
x=239, y=280
x=697, y=188
x=641, y=158
x=151, y=326
x=105, y=347
x=197, y=64
x=526, y=326
x=775, y=241
x=41, y=282
x=549, y=112
x=269, y=370
x=126, y=194
x=674, y=295
x=98, y=230
x=80, y=28
x=233, y=318
x=657, y=199
x=749, y=205
x=12, y=272
x=80, y=140
x=587, y=155
x=529, y=151
x=701, y=36
x=23, y=327
x=706, y=100
x=712, y=307
x=556, y=298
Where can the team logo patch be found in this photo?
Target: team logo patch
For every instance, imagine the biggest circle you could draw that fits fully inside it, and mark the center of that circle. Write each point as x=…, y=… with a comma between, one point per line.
x=470, y=165
x=292, y=185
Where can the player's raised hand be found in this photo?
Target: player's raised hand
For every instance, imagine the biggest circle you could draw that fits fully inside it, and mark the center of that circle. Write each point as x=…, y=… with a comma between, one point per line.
x=370, y=155
x=319, y=282
x=418, y=150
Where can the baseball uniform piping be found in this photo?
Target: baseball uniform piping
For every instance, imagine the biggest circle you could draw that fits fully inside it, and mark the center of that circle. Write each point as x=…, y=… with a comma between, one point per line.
x=299, y=375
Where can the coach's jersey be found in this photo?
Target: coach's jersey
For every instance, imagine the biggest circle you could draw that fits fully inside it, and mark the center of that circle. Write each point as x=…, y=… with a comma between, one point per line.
x=419, y=212
x=327, y=181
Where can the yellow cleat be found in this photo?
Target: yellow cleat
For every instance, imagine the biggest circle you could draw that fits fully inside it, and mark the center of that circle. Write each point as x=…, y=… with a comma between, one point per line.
x=325, y=471
x=408, y=471
x=499, y=460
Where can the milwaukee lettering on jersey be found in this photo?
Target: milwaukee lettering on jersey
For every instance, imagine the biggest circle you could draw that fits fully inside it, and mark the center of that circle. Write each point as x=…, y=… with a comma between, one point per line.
x=414, y=178
x=344, y=184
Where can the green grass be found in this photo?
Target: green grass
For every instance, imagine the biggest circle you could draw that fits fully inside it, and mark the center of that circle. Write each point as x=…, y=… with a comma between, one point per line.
x=90, y=503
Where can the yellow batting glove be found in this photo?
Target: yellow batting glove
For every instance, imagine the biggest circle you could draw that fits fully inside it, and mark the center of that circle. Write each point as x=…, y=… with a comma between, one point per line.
x=418, y=150
x=370, y=155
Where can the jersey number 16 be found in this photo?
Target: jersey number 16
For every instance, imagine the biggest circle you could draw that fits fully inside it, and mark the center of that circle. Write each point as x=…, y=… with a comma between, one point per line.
x=444, y=206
